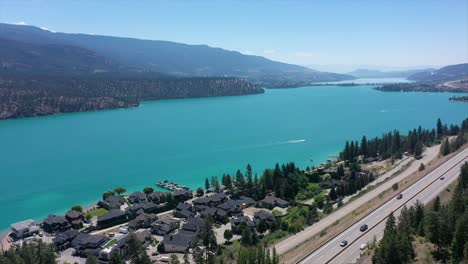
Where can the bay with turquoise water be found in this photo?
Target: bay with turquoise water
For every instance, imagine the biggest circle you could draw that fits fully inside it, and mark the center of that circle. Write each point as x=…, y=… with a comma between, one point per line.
x=49, y=163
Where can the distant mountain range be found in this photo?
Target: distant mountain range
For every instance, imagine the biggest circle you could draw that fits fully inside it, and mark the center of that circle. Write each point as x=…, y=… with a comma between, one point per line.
x=41, y=50
x=448, y=73
x=365, y=73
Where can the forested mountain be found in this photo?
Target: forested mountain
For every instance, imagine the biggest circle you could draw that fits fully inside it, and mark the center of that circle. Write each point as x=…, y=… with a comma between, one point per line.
x=50, y=59
x=175, y=58
x=46, y=96
x=365, y=73
x=448, y=73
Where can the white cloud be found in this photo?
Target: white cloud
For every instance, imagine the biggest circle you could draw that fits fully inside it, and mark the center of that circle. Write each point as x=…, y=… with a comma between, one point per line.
x=269, y=51
x=21, y=23
x=247, y=52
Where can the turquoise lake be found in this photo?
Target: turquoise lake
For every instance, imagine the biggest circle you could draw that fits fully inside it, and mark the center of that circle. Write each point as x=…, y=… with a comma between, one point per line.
x=48, y=164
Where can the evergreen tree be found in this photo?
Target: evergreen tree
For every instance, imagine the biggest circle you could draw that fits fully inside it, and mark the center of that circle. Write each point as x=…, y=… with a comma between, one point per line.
x=436, y=207
x=91, y=259
x=445, y=147
x=207, y=184
x=228, y=235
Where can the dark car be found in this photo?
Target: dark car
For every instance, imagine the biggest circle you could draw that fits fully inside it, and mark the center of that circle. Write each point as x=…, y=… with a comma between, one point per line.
x=363, y=228
x=399, y=196
x=343, y=243
x=442, y=178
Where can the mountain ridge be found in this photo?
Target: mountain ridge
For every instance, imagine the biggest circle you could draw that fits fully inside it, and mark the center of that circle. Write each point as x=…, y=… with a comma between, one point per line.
x=175, y=58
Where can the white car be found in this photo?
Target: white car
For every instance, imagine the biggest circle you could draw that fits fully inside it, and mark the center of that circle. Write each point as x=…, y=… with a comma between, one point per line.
x=363, y=246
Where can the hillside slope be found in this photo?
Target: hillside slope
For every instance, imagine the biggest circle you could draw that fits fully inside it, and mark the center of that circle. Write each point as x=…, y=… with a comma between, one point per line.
x=175, y=58
x=448, y=73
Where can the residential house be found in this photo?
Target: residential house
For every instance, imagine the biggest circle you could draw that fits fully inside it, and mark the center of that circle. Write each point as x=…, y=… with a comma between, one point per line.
x=157, y=197
x=193, y=224
x=271, y=201
x=236, y=223
x=75, y=218
x=111, y=218
x=145, y=207
x=183, y=210
x=112, y=202
x=24, y=229
x=55, y=223
x=86, y=244
x=178, y=243
x=182, y=195
x=164, y=226
x=264, y=216
x=142, y=221
x=330, y=183
x=63, y=240
x=137, y=197
x=219, y=215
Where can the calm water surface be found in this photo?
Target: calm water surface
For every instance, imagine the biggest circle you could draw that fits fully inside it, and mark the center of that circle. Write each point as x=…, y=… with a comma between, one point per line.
x=49, y=163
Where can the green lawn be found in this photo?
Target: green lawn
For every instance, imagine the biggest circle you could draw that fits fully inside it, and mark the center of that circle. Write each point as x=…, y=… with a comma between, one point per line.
x=111, y=243
x=96, y=212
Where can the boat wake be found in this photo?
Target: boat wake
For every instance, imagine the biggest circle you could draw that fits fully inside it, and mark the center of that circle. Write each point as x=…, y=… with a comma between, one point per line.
x=294, y=141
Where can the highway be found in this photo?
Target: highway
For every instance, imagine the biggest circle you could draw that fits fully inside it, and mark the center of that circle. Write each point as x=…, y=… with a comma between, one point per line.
x=285, y=245
x=423, y=190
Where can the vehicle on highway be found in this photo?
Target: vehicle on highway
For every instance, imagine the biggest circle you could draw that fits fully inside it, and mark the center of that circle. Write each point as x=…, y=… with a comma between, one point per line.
x=363, y=246
x=399, y=196
x=343, y=243
x=442, y=178
x=363, y=228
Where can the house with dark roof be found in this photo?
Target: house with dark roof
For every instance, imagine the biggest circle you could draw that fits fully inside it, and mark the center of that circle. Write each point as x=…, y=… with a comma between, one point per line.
x=183, y=210
x=264, y=216
x=182, y=195
x=330, y=183
x=217, y=214
x=63, y=240
x=236, y=223
x=75, y=218
x=178, y=243
x=137, y=197
x=202, y=201
x=217, y=198
x=271, y=201
x=157, y=197
x=193, y=224
x=142, y=221
x=55, y=223
x=145, y=207
x=111, y=218
x=86, y=244
x=24, y=229
x=164, y=226
x=112, y=202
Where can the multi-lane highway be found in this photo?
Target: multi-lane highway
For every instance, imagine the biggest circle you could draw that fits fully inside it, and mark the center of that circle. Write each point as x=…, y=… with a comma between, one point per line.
x=423, y=190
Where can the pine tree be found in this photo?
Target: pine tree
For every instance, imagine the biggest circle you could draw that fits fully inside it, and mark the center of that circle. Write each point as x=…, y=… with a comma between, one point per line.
x=207, y=184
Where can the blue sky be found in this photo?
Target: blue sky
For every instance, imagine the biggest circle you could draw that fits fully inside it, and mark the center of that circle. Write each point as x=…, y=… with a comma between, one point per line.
x=349, y=32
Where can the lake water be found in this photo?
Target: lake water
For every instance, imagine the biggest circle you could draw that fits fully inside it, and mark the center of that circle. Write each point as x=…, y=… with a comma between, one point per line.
x=49, y=163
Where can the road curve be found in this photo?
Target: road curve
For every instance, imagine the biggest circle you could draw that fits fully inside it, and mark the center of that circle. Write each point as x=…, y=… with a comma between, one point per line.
x=423, y=190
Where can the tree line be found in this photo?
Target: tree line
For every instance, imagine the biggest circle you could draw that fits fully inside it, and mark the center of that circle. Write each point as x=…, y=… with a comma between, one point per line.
x=393, y=144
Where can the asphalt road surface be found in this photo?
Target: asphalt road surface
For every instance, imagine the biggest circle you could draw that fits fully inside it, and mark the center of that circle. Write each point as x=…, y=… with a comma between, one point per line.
x=424, y=190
